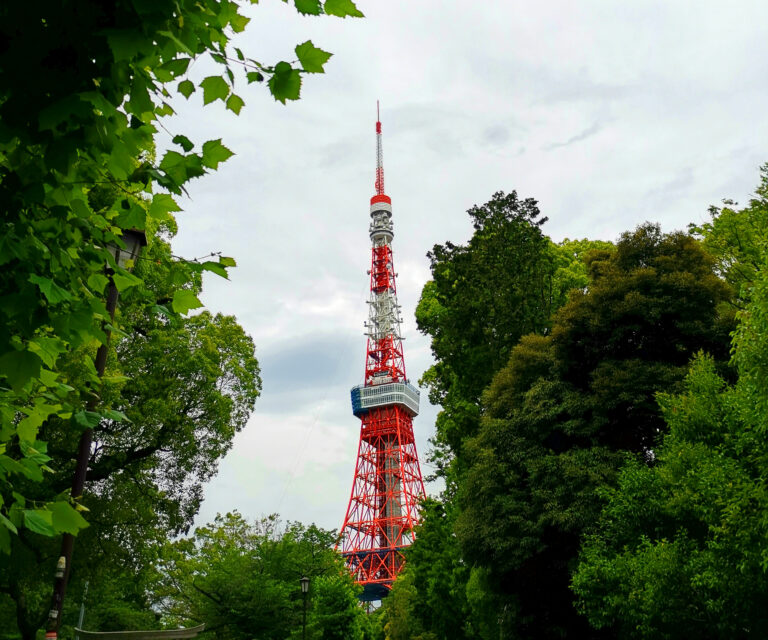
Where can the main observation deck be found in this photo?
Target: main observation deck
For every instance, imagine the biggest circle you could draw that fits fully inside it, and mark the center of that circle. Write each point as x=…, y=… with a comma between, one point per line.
x=402, y=394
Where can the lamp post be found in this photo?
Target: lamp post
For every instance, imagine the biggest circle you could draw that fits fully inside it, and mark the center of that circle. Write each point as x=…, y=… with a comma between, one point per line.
x=134, y=240
x=304, y=591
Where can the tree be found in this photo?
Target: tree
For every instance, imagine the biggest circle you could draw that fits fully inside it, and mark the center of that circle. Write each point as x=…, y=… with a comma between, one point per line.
x=242, y=581
x=83, y=86
x=506, y=282
x=430, y=593
x=733, y=238
x=336, y=612
x=678, y=551
x=560, y=417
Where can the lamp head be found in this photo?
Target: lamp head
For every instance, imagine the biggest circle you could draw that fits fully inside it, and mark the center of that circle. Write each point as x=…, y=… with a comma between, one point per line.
x=134, y=240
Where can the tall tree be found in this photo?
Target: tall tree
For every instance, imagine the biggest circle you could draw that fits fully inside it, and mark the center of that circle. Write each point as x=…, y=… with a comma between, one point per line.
x=563, y=413
x=505, y=282
x=679, y=550
x=482, y=297
x=177, y=391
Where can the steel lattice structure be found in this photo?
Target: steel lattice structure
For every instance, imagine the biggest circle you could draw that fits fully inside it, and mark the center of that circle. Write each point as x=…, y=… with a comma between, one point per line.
x=387, y=486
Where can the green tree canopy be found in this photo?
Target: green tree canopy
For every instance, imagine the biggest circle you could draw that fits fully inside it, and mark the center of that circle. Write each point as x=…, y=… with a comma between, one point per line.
x=179, y=390
x=560, y=417
x=680, y=546
x=242, y=581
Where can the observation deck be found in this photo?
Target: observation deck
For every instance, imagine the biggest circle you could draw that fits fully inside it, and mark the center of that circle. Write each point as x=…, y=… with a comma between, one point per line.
x=402, y=394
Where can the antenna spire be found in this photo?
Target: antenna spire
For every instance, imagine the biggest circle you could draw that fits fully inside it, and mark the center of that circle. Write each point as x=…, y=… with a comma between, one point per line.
x=379, y=184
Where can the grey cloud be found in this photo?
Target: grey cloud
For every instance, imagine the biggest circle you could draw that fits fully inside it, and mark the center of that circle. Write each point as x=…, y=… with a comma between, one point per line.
x=496, y=135
x=584, y=90
x=588, y=132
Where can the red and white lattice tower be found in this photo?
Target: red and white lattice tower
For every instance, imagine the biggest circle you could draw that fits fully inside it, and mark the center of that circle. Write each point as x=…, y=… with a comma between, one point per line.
x=387, y=487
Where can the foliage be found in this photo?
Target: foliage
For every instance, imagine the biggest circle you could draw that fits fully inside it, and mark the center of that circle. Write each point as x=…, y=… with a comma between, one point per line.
x=430, y=593
x=83, y=87
x=242, y=581
x=560, y=416
x=680, y=546
x=569, y=257
x=484, y=295
x=336, y=612
x=186, y=386
x=733, y=238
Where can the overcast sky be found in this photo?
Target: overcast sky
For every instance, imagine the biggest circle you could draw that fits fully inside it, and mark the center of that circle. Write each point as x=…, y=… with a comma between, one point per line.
x=608, y=113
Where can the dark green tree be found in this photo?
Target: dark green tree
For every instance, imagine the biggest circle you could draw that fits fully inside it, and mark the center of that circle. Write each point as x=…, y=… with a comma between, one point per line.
x=560, y=417
x=679, y=550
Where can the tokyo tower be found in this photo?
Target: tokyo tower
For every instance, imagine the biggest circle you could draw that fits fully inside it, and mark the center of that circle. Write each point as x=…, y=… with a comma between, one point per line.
x=387, y=486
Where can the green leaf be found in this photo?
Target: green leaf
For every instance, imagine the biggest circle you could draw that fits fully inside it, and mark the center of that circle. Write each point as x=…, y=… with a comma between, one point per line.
x=116, y=416
x=66, y=519
x=53, y=292
x=121, y=161
x=125, y=281
x=126, y=44
x=214, y=153
x=172, y=69
x=238, y=22
x=48, y=349
x=115, y=379
x=162, y=205
x=178, y=42
x=308, y=7
x=285, y=83
x=134, y=218
x=184, y=300
x=235, y=103
x=140, y=102
x=20, y=367
x=254, y=76
x=184, y=142
x=40, y=521
x=86, y=419
x=312, y=58
x=214, y=88
x=215, y=267
x=186, y=88
x=227, y=262
x=8, y=524
x=342, y=9
x=28, y=427
x=97, y=282
x=181, y=168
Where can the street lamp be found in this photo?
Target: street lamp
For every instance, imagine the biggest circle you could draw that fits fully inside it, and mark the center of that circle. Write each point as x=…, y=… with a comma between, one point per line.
x=134, y=240
x=304, y=591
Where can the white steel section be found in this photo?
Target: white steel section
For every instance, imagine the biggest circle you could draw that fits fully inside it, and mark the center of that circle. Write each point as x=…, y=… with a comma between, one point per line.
x=383, y=316
x=381, y=206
